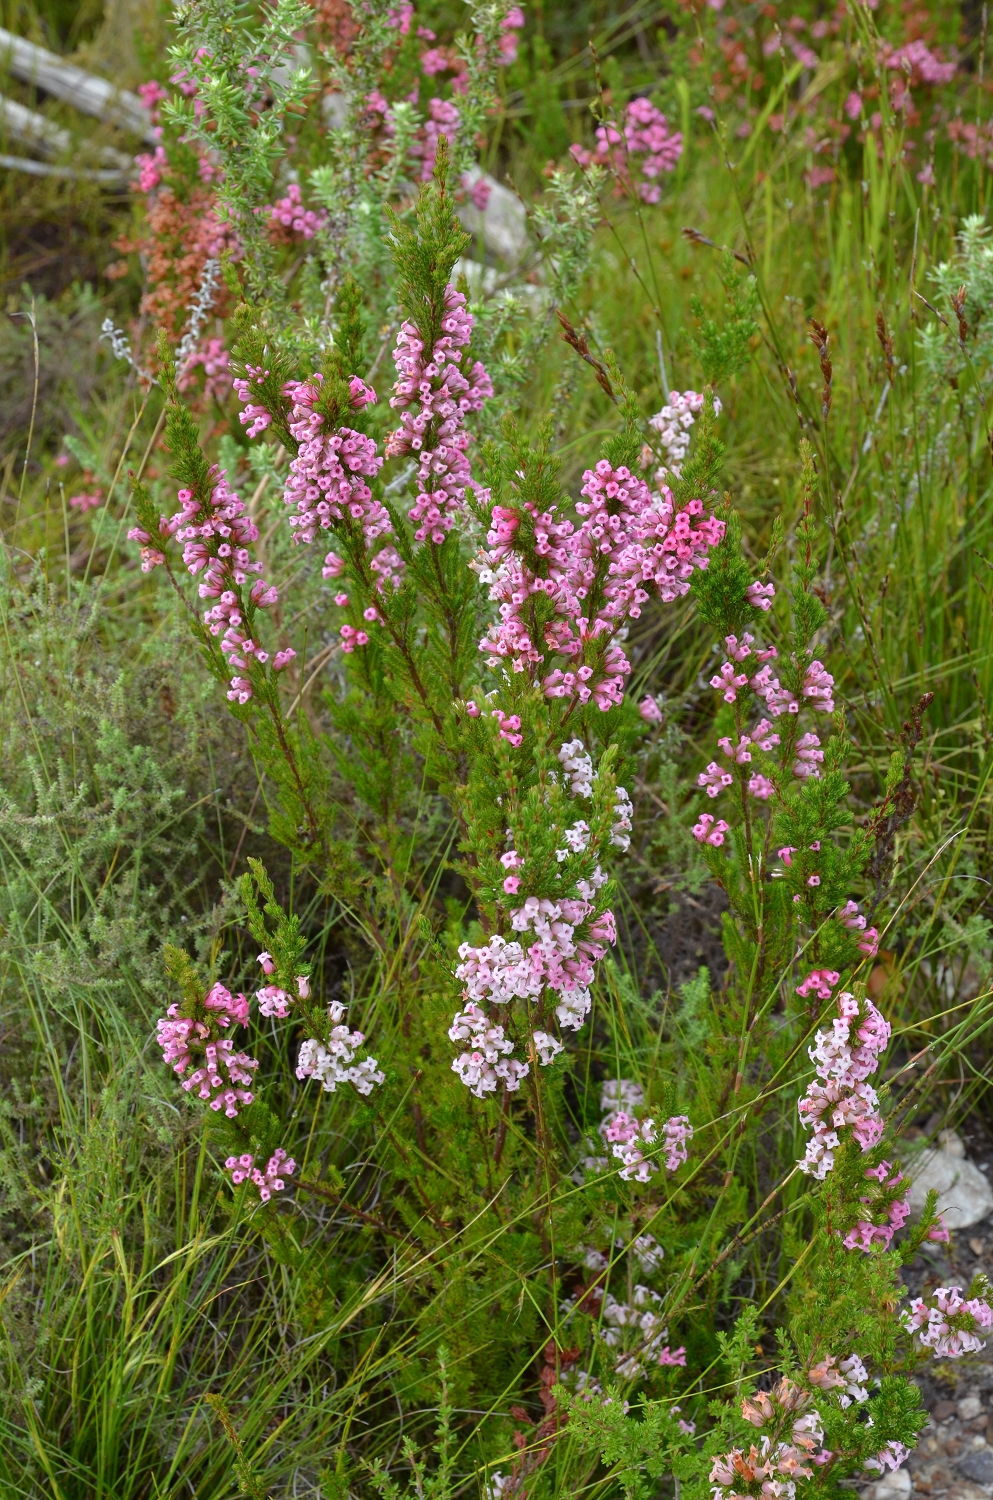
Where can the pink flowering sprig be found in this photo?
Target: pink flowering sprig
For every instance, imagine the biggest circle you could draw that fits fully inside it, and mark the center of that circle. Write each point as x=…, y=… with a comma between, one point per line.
x=440, y=383
x=198, y=1037
x=217, y=534
x=636, y=152
x=776, y=784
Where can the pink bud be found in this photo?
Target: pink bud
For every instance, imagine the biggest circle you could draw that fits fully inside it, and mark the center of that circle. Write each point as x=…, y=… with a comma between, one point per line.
x=265, y=959
x=303, y=986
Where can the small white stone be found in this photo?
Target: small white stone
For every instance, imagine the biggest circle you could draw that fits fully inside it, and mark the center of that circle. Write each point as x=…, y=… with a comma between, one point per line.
x=969, y=1407
x=964, y=1195
x=894, y=1486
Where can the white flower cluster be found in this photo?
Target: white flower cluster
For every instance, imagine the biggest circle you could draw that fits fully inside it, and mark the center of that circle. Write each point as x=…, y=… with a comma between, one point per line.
x=488, y=1063
x=673, y=425
x=334, y=1063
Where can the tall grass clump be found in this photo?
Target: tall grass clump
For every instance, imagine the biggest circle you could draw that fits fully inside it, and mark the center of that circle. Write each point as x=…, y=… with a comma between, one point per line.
x=431, y=1066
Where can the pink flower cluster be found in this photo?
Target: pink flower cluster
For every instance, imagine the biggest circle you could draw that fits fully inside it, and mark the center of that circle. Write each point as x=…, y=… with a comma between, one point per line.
x=512, y=22
x=267, y=1182
x=819, y=982
x=334, y=1062
x=488, y=1062
x=502, y=971
x=627, y=1135
x=866, y=1234
x=291, y=214
x=88, y=500
x=706, y=831
x=443, y=120
x=645, y=135
x=892, y=1457
x=772, y=1469
x=215, y=361
x=274, y=1002
x=946, y=1322
x=569, y=935
x=326, y=484
x=732, y=680
x=919, y=63
x=215, y=536
x=585, y=582
x=207, y=1064
x=847, y=1376
x=435, y=392
x=839, y=1097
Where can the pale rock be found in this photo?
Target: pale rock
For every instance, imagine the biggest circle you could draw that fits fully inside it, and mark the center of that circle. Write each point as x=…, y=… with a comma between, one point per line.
x=487, y=281
x=502, y=225
x=978, y=1465
x=964, y=1195
x=892, y=1486
x=969, y=1407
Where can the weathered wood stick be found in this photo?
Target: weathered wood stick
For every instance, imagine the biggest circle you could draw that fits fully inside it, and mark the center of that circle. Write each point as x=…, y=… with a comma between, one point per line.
x=48, y=138
x=92, y=95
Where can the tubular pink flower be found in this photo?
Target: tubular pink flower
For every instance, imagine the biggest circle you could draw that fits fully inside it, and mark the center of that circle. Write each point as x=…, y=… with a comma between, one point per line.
x=740, y=753
x=729, y=682
x=760, y=595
